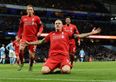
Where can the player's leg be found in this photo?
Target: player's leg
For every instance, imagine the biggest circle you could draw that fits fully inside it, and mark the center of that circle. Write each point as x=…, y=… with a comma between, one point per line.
x=17, y=57
x=72, y=51
x=21, y=54
x=66, y=69
x=31, y=56
x=81, y=59
x=13, y=56
x=45, y=70
x=17, y=60
x=3, y=61
x=10, y=56
x=17, y=51
x=14, y=59
x=49, y=66
x=0, y=60
x=31, y=60
x=72, y=58
x=66, y=66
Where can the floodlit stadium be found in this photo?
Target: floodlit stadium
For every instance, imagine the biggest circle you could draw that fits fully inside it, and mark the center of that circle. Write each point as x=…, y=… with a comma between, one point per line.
x=57, y=40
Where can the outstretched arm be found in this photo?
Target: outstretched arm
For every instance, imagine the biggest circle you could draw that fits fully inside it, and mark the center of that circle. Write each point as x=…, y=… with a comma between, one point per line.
x=94, y=31
x=40, y=29
x=38, y=42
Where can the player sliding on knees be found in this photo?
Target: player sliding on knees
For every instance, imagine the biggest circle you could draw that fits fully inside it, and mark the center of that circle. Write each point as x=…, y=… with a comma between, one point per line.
x=59, y=48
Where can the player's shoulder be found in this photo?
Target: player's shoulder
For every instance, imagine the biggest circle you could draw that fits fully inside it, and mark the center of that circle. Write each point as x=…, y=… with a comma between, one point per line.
x=23, y=16
x=52, y=32
x=36, y=16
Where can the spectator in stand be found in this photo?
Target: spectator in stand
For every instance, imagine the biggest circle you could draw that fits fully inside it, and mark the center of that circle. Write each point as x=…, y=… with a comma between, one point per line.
x=82, y=55
x=3, y=55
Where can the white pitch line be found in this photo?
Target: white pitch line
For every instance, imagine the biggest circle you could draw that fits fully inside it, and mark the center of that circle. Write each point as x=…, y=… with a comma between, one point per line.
x=73, y=80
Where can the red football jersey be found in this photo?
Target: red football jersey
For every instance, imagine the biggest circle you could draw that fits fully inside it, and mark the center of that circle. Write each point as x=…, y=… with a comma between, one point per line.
x=59, y=42
x=16, y=46
x=29, y=26
x=72, y=29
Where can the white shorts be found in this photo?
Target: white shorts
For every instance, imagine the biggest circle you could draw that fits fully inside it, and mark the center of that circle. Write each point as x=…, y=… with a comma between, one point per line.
x=3, y=56
x=12, y=54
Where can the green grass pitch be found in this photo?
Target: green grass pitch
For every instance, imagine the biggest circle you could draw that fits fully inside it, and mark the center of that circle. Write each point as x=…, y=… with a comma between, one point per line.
x=81, y=72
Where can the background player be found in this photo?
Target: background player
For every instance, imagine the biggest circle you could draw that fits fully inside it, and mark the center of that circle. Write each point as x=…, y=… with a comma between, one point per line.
x=2, y=53
x=72, y=29
x=16, y=47
x=30, y=27
x=12, y=54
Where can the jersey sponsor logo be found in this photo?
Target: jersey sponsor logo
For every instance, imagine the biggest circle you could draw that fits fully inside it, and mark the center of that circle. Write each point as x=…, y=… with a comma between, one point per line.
x=29, y=22
x=55, y=36
x=68, y=29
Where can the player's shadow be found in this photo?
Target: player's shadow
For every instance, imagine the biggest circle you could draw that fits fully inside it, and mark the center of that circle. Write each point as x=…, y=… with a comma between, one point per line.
x=56, y=72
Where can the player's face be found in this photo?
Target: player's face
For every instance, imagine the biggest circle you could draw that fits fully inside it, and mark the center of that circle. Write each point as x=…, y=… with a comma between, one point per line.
x=58, y=25
x=30, y=10
x=68, y=20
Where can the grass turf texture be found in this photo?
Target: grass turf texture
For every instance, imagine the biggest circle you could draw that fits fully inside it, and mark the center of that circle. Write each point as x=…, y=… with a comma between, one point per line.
x=81, y=72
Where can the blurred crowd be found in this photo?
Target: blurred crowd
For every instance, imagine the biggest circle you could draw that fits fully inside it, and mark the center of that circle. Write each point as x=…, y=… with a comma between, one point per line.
x=10, y=23
x=98, y=52
x=80, y=5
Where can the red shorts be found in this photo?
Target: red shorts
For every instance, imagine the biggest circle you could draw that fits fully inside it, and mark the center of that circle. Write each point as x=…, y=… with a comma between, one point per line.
x=72, y=48
x=57, y=61
x=30, y=47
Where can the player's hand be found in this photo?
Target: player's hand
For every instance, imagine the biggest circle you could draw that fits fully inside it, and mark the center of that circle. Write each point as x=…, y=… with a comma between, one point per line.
x=17, y=38
x=38, y=34
x=95, y=31
x=27, y=43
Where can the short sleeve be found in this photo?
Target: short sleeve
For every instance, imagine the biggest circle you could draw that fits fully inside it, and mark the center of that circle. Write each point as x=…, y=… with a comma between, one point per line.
x=38, y=20
x=47, y=38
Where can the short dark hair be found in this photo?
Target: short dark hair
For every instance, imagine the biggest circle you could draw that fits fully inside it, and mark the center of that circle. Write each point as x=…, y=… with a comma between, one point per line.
x=30, y=5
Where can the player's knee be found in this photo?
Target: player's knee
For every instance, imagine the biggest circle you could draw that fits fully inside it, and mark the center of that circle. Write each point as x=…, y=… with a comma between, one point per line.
x=66, y=69
x=32, y=54
x=45, y=70
x=21, y=49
